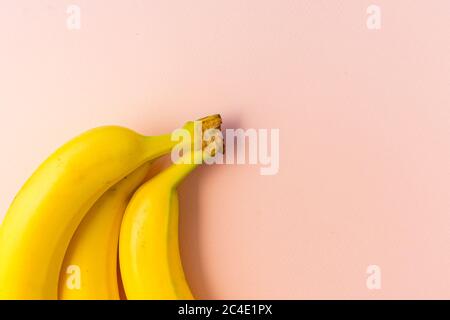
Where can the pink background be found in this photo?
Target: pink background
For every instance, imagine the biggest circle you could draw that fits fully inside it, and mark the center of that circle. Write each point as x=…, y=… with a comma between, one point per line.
x=364, y=120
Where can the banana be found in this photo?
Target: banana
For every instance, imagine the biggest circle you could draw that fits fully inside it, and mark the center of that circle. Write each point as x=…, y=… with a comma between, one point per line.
x=43, y=217
x=149, y=257
x=93, y=249
x=149, y=253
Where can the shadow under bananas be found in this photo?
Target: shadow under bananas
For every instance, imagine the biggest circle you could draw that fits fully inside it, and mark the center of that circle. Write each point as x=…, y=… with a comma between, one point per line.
x=190, y=222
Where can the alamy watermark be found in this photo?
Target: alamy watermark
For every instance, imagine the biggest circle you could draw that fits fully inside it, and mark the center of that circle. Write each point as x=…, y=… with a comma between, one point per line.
x=373, y=21
x=373, y=281
x=73, y=281
x=250, y=146
x=73, y=20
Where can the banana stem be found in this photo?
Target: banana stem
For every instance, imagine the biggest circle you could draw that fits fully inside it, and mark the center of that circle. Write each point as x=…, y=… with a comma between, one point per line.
x=164, y=143
x=177, y=172
x=160, y=145
x=211, y=122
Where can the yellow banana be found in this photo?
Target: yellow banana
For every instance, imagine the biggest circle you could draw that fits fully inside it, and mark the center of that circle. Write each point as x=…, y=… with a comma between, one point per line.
x=149, y=254
x=93, y=250
x=149, y=257
x=43, y=217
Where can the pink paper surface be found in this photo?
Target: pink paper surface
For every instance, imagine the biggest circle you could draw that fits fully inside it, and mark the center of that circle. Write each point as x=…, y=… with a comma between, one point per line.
x=364, y=119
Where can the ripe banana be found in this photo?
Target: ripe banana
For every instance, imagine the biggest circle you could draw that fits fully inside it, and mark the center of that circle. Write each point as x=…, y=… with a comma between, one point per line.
x=43, y=217
x=93, y=250
x=149, y=255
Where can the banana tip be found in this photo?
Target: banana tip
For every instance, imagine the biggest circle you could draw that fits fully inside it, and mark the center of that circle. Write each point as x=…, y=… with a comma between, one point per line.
x=211, y=122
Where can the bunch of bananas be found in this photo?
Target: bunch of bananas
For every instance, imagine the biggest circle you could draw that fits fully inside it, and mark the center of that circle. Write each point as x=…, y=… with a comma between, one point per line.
x=89, y=211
